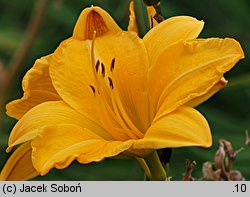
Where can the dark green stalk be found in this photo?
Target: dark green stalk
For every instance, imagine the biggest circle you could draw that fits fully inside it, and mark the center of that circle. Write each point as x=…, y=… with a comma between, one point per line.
x=141, y=15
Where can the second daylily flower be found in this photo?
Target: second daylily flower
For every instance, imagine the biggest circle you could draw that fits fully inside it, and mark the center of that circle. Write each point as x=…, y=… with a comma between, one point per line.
x=105, y=92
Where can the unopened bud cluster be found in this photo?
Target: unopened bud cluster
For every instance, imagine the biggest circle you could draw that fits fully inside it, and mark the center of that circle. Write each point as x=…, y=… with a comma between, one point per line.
x=222, y=168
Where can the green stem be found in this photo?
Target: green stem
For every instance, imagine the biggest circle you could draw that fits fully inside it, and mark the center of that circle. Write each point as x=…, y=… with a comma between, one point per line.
x=144, y=166
x=141, y=14
x=156, y=169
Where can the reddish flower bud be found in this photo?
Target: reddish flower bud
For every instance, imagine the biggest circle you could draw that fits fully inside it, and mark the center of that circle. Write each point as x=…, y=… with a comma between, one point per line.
x=154, y=3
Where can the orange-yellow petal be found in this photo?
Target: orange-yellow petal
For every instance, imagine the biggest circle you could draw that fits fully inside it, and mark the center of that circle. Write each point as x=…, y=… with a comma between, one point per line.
x=198, y=100
x=132, y=26
x=58, y=146
x=49, y=113
x=170, y=31
x=94, y=19
x=37, y=89
x=189, y=69
x=129, y=74
x=19, y=166
x=72, y=75
x=183, y=127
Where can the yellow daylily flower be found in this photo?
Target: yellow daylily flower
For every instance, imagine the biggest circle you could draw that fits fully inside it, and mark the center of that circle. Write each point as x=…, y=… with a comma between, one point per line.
x=108, y=92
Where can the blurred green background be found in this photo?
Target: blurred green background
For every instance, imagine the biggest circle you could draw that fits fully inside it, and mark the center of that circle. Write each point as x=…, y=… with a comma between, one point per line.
x=227, y=112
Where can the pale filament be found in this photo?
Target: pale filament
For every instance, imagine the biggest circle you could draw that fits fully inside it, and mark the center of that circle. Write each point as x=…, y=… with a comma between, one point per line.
x=105, y=94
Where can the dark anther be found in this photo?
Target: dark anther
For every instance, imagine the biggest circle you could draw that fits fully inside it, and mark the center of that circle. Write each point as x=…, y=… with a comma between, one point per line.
x=97, y=65
x=103, y=70
x=111, y=83
x=92, y=88
x=112, y=65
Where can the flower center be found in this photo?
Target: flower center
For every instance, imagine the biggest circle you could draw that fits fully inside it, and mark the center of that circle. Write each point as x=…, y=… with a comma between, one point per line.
x=112, y=111
x=100, y=75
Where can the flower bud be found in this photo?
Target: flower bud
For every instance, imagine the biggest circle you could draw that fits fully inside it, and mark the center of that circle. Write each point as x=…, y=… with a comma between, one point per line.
x=219, y=158
x=229, y=149
x=154, y=3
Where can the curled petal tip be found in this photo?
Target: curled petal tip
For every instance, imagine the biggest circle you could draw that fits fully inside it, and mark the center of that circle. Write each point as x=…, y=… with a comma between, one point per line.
x=92, y=19
x=9, y=149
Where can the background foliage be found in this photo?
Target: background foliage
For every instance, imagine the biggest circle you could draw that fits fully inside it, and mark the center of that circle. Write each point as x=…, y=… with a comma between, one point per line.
x=227, y=112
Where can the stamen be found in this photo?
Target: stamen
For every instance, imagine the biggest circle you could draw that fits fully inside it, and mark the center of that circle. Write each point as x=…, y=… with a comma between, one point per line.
x=92, y=48
x=92, y=56
x=103, y=70
x=97, y=66
x=112, y=65
x=111, y=83
x=92, y=88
